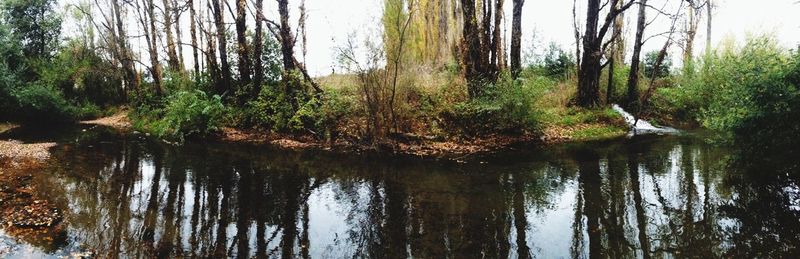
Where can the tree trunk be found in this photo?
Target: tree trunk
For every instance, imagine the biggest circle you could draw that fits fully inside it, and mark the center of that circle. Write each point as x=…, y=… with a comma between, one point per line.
x=287, y=49
x=178, y=35
x=516, y=38
x=617, y=55
x=193, y=32
x=258, y=48
x=588, y=79
x=633, y=77
x=241, y=38
x=155, y=65
x=224, y=84
x=497, y=38
x=471, y=49
x=172, y=56
x=709, y=8
x=125, y=53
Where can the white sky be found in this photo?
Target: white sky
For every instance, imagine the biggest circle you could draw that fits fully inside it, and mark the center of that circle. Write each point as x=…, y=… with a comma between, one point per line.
x=331, y=21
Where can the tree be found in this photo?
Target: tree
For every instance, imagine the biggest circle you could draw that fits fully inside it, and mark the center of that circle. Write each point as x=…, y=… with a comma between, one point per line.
x=219, y=21
x=147, y=20
x=633, y=76
x=193, y=31
x=655, y=70
x=172, y=55
x=35, y=24
x=516, y=37
x=694, y=9
x=479, y=56
x=617, y=53
x=593, y=48
x=258, y=49
x=241, y=38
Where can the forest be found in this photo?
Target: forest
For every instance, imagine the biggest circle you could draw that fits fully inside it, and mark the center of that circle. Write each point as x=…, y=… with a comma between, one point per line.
x=432, y=129
x=434, y=70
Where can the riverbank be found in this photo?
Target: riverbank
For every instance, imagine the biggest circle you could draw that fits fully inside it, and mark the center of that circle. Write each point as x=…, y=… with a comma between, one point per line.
x=560, y=126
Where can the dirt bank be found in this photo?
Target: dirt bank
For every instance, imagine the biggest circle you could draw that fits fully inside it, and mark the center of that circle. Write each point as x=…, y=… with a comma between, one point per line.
x=119, y=120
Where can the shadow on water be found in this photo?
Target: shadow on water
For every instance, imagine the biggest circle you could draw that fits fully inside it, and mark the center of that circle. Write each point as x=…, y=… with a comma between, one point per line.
x=645, y=197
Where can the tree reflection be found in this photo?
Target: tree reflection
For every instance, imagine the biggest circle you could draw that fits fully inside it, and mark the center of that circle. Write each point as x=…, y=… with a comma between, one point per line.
x=643, y=198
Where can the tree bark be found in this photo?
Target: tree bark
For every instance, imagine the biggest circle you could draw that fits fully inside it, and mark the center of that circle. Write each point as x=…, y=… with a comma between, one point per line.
x=258, y=48
x=287, y=40
x=709, y=9
x=633, y=77
x=241, y=38
x=588, y=79
x=516, y=38
x=589, y=74
x=497, y=38
x=224, y=83
x=172, y=56
x=193, y=32
x=617, y=54
x=125, y=53
x=471, y=49
x=155, y=65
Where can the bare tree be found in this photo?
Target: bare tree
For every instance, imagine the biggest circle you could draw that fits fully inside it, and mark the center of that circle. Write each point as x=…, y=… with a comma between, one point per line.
x=617, y=53
x=193, y=32
x=172, y=56
x=241, y=39
x=516, y=37
x=589, y=74
x=633, y=76
x=258, y=48
x=225, y=69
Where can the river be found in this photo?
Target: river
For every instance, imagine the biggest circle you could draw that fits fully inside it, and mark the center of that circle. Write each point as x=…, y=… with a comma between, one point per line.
x=647, y=196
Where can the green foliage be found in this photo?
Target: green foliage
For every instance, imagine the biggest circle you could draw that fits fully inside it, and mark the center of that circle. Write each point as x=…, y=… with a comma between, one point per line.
x=35, y=24
x=750, y=94
x=82, y=75
x=39, y=104
x=186, y=113
x=557, y=63
x=507, y=107
x=650, y=60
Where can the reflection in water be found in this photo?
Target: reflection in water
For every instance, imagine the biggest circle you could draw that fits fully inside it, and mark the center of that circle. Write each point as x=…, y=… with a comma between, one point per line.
x=648, y=197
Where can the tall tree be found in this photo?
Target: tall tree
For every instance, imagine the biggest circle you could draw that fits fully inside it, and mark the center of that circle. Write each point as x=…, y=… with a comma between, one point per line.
x=172, y=55
x=497, y=37
x=633, y=76
x=258, y=48
x=589, y=74
x=709, y=12
x=516, y=37
x=193, y=32
x=474, y=70
x=617, y=53
x=35, y=24
x=241, y=39
x=148, y=21
x=694, y=9
x=225, y=69
x=126, y=58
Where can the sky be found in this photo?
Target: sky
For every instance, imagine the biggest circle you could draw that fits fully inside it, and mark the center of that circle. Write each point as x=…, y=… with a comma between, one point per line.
x=330, y=22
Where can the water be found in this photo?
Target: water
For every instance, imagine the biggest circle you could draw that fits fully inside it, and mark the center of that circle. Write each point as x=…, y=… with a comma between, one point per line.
x=648, y=196
x=641, y=127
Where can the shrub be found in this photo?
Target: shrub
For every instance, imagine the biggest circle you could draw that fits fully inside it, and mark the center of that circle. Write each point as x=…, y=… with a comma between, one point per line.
x=186, y=113
x=507, y=107
x=650, y=60
x=38, y=104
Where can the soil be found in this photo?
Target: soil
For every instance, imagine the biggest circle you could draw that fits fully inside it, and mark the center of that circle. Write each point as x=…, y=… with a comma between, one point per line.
x=119, y=120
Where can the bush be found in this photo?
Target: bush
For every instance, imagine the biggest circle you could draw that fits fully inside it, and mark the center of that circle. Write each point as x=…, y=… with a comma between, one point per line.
x=39, y=104
x=187, y=113
x=507, y=107
x=650, y=60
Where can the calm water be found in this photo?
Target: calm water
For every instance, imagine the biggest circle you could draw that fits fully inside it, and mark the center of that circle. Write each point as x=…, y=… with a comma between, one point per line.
x=656, y=196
